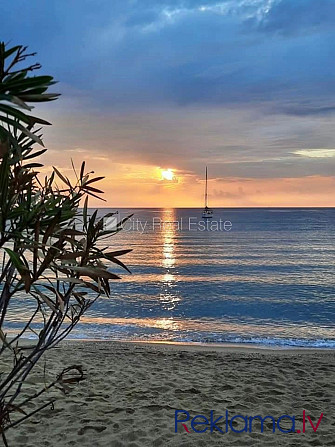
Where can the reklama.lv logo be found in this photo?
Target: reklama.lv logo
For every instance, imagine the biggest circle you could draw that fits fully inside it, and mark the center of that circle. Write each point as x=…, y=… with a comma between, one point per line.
x=200, y=423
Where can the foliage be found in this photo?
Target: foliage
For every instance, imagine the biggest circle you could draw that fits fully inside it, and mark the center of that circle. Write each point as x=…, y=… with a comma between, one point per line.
x=51, y=250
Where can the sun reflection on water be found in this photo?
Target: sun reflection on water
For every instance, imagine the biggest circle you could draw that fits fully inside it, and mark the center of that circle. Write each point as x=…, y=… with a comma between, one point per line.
x=168, y=259
x=168, y=234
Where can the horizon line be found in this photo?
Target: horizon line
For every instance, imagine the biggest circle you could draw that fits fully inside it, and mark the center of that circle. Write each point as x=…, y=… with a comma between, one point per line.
x=217, y=207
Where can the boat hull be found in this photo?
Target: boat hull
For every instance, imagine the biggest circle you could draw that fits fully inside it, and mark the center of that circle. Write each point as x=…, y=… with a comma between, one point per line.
x=207, y=214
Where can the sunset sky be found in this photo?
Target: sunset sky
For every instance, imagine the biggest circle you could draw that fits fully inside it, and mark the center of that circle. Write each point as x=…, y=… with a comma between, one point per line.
x=246, y=87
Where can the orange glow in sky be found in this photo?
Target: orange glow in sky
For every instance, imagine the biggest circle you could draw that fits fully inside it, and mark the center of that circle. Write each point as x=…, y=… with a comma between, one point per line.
x=138, y=170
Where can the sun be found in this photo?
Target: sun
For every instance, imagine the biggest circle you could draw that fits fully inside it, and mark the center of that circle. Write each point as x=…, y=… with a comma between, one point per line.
x=167, y=174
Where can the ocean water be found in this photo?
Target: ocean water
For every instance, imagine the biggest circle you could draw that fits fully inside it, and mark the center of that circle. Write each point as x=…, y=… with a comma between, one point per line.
x=264, y=276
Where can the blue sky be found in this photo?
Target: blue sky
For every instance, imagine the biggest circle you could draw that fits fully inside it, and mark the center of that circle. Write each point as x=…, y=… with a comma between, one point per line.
x=245, y=86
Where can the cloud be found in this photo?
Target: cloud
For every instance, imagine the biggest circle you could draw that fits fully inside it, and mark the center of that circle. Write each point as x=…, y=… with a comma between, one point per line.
x=306, y=110
x=134, y=53
x=316, y=153
x=299, y=16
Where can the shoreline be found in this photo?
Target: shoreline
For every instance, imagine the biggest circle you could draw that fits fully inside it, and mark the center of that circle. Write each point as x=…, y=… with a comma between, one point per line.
x=193, y=346
x=207, y=347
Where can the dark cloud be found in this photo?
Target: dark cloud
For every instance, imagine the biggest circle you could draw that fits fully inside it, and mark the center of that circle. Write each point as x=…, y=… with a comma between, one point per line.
x=130, y=53
x=299, y=16
x=290, y=167
x=303, y=110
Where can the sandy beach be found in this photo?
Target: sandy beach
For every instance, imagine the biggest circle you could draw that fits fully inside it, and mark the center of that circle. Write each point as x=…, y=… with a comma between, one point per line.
x=132, y=390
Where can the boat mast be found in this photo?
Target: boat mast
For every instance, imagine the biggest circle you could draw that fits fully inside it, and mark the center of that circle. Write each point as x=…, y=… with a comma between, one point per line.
x=206, y=190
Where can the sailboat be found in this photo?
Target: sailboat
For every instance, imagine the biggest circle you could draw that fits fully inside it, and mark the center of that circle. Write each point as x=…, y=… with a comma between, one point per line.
x=207, y=212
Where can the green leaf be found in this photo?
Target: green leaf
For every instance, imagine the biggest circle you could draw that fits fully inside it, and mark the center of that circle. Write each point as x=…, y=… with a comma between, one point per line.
x=27, y=83
x=35, y=154
x=23, y=129
x=46, y=300
x=12, y=50
x=14, y=100
x=14, y=257
x=85, y=212
x=94, y=180
x=61, y=176
x=90, y=188
x=114, y=254
x=39, y=98
x=82, y=169
x=21, y=268
x=72, y=255
x=92, y=272
x=118, y=262
x=32, y=165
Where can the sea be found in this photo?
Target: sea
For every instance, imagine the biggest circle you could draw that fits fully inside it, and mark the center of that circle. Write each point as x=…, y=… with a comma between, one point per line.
x=247, y=276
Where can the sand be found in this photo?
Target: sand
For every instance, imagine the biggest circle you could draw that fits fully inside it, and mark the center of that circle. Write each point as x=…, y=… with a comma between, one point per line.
x=131, y=393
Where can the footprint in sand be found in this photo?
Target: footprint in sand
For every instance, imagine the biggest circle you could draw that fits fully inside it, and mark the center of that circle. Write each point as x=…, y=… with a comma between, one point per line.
x=98, y=429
